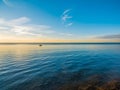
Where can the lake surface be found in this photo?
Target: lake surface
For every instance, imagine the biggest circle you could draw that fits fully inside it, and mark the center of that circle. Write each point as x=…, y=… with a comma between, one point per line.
x=60, y=67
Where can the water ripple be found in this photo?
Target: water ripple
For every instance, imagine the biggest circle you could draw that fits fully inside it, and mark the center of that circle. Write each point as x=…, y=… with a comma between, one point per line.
x=60, y=68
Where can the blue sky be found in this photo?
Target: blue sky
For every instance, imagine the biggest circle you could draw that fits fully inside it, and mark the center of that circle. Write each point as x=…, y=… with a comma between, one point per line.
x=59, y=19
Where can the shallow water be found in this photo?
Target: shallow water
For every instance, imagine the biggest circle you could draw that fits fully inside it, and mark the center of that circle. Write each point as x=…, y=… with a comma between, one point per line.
x=60, y=67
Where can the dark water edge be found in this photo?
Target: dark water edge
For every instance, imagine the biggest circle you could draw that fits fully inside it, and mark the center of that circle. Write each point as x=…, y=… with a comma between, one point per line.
x=69, y=43
x=64, y=67
x=93, y=83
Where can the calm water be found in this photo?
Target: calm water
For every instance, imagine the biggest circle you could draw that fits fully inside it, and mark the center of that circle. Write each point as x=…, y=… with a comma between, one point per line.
x=60, y=67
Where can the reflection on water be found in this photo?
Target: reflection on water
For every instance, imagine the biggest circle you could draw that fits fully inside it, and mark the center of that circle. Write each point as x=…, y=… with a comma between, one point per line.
x=60, y=67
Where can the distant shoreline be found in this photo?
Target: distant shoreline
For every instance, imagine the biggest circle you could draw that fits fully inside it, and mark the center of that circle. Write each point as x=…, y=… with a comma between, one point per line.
x=77, y=43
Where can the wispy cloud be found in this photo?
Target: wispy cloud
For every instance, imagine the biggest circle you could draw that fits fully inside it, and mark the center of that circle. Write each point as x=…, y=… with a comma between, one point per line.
x=69, y=24
x=115, y=36
x=20, y=20
x=66, y=34
x=21, y=26
x=7, y=2
x=66, y=11
x=66, y=17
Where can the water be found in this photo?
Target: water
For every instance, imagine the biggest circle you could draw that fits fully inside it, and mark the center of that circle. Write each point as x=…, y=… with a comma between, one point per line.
x=60, y=67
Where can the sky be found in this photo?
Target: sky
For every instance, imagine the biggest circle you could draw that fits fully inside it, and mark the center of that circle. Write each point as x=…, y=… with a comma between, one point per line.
x=59, y=20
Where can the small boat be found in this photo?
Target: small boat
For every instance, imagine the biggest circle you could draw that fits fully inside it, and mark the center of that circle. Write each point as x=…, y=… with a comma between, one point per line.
x=40, y=45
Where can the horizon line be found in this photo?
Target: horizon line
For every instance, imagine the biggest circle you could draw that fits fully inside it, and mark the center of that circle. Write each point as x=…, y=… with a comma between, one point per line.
x=59, y=42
